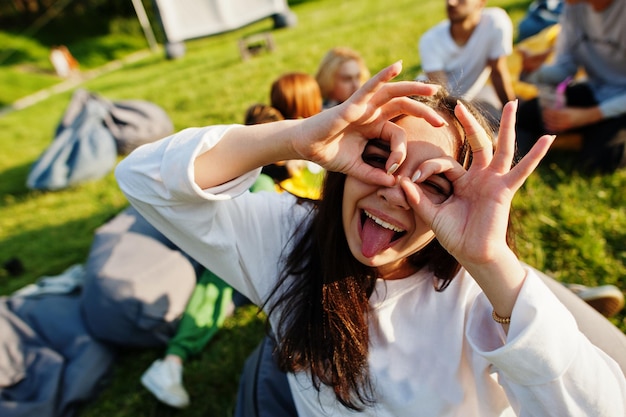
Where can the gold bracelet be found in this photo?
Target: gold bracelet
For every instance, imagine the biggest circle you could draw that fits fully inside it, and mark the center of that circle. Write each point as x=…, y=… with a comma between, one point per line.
x=498, y=319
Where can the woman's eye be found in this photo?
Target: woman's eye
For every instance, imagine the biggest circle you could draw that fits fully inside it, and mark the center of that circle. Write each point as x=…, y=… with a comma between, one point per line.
x=375, y=160
x=376, y=154
x=438, y=190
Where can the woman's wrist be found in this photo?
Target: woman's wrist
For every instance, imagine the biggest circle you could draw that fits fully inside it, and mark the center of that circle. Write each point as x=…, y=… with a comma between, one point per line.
x=501, y=281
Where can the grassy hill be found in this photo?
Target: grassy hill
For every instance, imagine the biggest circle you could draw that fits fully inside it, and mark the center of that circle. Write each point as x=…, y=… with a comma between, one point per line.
x=570, y=225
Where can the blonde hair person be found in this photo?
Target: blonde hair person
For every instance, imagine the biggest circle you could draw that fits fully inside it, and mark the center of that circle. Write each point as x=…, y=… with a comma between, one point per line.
x=340, y=73
x=296, y=95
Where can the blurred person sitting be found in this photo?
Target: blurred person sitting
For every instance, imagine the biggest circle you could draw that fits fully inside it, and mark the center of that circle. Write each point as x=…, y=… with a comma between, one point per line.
x=340, y=73
x=592, y=40
x=469, y=49
x=293, y=95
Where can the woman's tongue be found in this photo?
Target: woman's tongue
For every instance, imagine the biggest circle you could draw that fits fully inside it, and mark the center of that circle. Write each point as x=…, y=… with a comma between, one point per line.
x=374, y=238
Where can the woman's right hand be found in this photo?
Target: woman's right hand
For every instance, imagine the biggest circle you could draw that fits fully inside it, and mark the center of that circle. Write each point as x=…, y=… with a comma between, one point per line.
x=336, y=138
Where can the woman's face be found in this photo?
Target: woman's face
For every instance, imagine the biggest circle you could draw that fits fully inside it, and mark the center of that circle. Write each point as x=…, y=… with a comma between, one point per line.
x=347, y=81
x=381, y=228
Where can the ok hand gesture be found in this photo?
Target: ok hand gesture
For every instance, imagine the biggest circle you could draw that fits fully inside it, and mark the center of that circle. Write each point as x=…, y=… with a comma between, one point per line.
x=335, y=138
x=472, y=223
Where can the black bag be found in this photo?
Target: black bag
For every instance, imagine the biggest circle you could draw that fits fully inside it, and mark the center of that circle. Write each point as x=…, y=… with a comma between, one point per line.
x=135, y=122
x=83, y=148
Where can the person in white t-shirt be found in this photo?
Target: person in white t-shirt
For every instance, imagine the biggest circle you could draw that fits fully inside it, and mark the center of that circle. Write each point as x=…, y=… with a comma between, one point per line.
x=467, y=53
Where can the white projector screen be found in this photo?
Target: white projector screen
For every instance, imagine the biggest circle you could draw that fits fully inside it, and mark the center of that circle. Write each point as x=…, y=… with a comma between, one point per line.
x=189, y=19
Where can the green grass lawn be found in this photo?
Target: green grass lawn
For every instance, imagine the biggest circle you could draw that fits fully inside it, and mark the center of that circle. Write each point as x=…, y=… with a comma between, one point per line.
x=569, y=225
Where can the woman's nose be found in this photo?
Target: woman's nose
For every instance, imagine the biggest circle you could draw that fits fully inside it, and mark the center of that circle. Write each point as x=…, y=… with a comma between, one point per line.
x=394, y=196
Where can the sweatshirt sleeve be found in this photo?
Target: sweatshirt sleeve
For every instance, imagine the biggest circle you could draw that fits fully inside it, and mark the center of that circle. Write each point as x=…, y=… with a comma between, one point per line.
x=229, y=230
x=544, y=358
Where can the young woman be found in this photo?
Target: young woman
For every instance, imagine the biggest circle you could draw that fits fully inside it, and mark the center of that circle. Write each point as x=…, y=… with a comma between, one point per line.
x=397, y=293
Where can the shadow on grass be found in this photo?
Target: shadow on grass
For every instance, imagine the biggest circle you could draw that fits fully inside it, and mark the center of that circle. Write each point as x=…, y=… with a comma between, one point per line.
x=48, y=250
x=13, y=180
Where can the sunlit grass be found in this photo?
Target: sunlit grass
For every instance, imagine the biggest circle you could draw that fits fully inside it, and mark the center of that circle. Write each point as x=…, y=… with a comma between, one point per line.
x=570, y=226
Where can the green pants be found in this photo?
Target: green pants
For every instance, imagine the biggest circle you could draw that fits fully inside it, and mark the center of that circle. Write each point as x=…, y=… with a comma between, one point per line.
x=208, y=306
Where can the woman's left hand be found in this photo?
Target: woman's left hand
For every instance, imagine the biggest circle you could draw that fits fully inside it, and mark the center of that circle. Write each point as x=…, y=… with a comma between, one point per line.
x=472, y=223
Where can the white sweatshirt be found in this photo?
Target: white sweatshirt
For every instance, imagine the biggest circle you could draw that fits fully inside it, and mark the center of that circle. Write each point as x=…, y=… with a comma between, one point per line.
x=431, y=354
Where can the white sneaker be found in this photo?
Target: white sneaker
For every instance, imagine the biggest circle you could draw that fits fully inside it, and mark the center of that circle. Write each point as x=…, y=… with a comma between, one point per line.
x=164, y=379
x=608, y=300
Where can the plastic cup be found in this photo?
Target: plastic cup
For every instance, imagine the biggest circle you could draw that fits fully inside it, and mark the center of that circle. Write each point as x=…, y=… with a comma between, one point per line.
x=547, y=96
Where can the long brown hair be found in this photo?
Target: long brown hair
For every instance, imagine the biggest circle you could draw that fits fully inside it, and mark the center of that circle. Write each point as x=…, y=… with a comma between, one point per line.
x=322, y=303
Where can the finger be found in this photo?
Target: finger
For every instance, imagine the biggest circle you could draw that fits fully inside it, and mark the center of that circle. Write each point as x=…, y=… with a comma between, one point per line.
x=396, y=136
x=377, y=81
x=506, y=139
x=406, y=106
x=418, y=201
x=380, y=94
x=480, y=142
x=529, y=162
x=447, y=166
x=406, y=88
x=371, y=175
